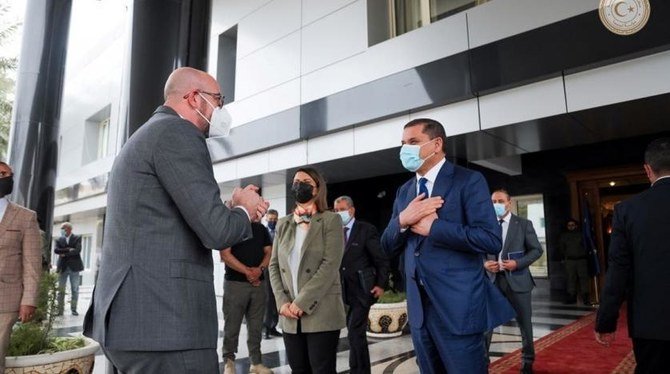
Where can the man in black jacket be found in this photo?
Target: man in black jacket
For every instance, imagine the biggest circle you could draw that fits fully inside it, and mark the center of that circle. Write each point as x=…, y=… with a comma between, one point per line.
x=638, y=257
x=364, y=272
x=68, y=249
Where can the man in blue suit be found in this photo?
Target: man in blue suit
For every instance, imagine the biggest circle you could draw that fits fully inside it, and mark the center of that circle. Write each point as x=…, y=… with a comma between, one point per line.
x=444, y=222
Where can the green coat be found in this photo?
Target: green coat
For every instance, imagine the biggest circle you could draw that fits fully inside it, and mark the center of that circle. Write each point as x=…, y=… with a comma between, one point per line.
x=319, y=290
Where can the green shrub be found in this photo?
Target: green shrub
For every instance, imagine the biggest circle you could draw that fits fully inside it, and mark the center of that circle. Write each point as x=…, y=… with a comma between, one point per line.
x=36, y=336
x=392, y=297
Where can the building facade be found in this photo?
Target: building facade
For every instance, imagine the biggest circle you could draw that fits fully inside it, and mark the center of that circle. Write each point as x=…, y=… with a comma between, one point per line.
x=521, y=86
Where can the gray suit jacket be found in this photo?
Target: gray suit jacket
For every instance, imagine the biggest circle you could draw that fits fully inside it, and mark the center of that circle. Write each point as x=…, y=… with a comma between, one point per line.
x=522, y=245
x=319, y=290
x=155, y=289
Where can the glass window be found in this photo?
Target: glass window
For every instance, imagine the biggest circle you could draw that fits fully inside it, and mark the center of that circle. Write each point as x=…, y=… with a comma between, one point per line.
x=531, y=207
x=408, y=15
x=103, y=137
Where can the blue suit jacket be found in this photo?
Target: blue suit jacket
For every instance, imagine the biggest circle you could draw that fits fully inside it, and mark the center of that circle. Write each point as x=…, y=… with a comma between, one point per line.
x=449, y=260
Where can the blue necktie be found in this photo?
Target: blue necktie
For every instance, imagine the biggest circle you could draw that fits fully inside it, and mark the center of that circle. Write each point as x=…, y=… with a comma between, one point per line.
x=422, y=187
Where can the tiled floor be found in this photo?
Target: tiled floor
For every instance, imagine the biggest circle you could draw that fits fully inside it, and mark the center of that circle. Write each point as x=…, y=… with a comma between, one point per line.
x=388, y=356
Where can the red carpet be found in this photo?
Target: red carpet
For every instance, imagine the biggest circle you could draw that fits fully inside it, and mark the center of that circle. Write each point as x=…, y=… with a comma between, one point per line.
x=573, y=349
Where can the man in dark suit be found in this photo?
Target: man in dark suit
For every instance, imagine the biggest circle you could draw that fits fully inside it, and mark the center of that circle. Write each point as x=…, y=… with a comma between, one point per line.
x=444, y=223
x=519, y=250
x=68, y=249
x=364, y=272
x=271, y=314
x=639, y=255
x=154, y=307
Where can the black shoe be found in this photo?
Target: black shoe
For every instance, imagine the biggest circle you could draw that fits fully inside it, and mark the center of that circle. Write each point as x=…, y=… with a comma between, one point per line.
x=74, y=313
x=526, y=368
x=274, y=332
x=267, y=336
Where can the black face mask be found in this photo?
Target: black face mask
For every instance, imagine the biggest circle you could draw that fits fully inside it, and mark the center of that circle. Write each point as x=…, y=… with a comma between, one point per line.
x=6, y=185
x=272, y=224
x=302, y=192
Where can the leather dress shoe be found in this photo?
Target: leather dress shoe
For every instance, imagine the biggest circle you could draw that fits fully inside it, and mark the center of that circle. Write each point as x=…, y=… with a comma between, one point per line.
x=274, y=332
x=527, y=368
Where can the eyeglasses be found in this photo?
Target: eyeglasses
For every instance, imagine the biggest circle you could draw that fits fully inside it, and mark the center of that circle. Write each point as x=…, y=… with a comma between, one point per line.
x=217, y=96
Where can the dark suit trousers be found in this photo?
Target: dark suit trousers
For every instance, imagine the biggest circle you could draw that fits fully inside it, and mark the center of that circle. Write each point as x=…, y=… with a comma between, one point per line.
x=439, y=352
x=271, y=314
x=357, y=322
x=521, y=302
x=312, y=353
x=196, y=361
x=651, y=355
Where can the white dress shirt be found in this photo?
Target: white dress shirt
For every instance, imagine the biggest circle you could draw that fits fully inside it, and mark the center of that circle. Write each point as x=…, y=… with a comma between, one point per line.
x=3, y=206
x=505, y=226
x=431, y=176
x=294, y=257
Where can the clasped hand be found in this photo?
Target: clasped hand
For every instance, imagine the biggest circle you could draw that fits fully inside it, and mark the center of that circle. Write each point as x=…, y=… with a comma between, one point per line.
x=291, y=310
x=254, y=276
x=420, y=214
x=249, y=198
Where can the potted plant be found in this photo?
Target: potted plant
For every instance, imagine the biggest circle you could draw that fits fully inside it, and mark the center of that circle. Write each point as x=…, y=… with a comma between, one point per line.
x=388, y=316
x=34, y=349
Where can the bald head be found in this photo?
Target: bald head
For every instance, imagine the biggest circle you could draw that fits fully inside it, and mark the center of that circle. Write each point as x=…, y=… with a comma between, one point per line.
x=184, y=80
x=184, y=92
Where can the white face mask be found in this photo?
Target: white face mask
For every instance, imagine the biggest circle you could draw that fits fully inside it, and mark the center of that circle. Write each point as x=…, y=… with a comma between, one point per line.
x=219, y=124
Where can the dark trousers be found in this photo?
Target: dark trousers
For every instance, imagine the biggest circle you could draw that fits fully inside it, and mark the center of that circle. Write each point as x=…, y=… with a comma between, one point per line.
x=439, y=352
x=312, y=353
x=651, y=355
x=521, y=302
x=357, y=322
x=196, y=361
x=271, y=315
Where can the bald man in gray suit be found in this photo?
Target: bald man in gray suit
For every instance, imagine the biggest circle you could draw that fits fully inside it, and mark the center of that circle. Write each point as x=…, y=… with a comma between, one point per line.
x=154, y=307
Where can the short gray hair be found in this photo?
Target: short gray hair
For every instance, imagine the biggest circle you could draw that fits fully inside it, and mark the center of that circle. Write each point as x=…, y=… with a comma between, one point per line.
x=346, y=199
x=66, y=224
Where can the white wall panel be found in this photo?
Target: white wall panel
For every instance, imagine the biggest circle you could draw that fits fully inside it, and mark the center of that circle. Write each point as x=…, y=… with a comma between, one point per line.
x=500, y=19
x=629, y=80
x=315, y=9
x=95, y=202
x=404, y=52
x=271, y=66
x=335, y=37
x=266, y=25
x=288, y=156
x=331, y=146
x=380, y=135
x=271, y=101
x=227, y=13
x=225, y=171
x=255, y=164
x=537, y=100
x=457, y=118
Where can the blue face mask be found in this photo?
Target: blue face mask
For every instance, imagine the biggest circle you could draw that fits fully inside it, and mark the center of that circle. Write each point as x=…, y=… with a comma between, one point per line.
x=62, y=232
x=346, y=217
x=272, y=224
x=410, y=156
x=500, y=209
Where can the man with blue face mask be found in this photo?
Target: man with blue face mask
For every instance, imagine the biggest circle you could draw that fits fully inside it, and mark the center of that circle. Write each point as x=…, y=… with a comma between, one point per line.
x=443, y=223
x=510, y=273
x=364, y=272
